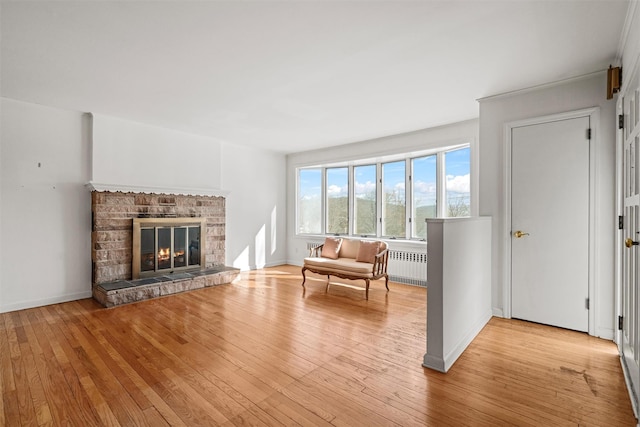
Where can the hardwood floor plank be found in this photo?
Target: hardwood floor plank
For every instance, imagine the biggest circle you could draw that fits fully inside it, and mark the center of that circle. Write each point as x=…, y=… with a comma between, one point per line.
x=101, y=406
x=195, y=398
x=264, y=351
x=178, y=399
x=41, y=406
x=11, y=407
x=66, y=406
x=349, y=390
x=288, y=412
x=12, y=334
x=38, y=398
x=154, y=418
x=149, y=385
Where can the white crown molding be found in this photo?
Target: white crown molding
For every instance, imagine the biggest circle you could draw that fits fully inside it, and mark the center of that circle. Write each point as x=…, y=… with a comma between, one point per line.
x=100, y=187
x=541, y=86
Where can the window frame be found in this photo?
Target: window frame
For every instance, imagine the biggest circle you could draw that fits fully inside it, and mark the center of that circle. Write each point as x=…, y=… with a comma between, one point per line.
x=408, y=158
x=326, y=218
x=352, y=204
x=414, y=224
x=383, y=221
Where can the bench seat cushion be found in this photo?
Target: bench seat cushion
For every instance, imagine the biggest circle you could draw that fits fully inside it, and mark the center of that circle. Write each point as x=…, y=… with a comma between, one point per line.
x=340, y=265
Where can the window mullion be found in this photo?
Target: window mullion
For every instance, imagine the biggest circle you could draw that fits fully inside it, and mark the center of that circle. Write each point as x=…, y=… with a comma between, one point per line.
x=323, y=202
x=379, y=199
x=408, y=202
x=440, y=186
x=351, y=182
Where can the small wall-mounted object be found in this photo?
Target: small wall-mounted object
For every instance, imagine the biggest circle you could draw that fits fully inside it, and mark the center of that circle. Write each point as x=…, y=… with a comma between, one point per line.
x=614, y=76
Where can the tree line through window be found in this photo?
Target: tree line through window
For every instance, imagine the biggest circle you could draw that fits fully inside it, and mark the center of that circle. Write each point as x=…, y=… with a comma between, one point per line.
x=386, y=199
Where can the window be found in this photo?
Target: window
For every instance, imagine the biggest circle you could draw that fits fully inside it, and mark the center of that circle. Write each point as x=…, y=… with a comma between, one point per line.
x=389, y=198
x=310, y=201
x=338, y=200
x=393, y=196
x=424, y=193
x=457, y=174
x=365, y=200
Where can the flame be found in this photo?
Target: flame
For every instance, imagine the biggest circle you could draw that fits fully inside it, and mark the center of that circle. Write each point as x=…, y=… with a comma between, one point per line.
x=178, y=253
x=163, y=254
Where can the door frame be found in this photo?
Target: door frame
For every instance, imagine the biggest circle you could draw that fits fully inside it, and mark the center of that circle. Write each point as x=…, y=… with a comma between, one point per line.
x=630, y=370
x=619, y=236
x=594, y=120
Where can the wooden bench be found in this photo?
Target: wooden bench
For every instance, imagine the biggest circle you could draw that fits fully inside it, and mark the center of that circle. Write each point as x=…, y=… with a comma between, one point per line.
x=349, y=259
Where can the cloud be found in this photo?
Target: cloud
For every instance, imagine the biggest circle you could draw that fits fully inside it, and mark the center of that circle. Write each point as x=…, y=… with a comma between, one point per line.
x=424, y=187
x=336, y=190
x=458, y=183
x=365, y=187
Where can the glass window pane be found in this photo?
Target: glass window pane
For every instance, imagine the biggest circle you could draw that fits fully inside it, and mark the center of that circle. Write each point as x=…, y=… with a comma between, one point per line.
x=365, y=200
x=458, y=192
x=394, y=201
x=424, y=194
x=338, y=200
x=164, y=248
x=309, y=201
x=147, y=249
x=179, y=247
x=194, y=245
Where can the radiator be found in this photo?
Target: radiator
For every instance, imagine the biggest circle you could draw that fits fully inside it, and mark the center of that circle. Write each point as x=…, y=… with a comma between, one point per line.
x=311, y=245
x=408, y=267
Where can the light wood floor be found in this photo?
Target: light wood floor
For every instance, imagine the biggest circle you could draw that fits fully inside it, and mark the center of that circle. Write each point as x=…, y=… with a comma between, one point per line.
x=263, y=352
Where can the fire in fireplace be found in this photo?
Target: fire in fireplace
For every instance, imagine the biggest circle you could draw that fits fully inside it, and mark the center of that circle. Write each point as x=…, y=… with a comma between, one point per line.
x=167, y=245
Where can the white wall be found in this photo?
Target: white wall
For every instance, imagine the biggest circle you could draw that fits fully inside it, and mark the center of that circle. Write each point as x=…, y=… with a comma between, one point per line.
x=586, y=92
x=1, y=149
x=252, y=181
x=459, y=299
x=45, y=209
x=256, y=214
x=54, y=197
x=630, y=42
x=134, y=154
x=457, y=133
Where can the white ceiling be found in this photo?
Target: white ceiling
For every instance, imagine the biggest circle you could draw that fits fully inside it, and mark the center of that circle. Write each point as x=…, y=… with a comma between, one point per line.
x=297, y=75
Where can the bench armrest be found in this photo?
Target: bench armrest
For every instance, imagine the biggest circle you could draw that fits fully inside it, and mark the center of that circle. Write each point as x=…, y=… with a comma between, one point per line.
x=380, y=263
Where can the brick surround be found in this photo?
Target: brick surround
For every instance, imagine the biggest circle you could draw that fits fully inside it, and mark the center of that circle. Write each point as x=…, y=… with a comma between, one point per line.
x=113, y=213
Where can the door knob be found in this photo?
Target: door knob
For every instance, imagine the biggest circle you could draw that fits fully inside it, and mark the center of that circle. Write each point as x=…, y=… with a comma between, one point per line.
x=518, y=234
x=629, y=243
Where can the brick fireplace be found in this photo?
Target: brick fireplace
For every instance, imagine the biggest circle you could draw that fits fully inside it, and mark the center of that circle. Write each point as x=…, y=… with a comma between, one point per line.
x=112, y=244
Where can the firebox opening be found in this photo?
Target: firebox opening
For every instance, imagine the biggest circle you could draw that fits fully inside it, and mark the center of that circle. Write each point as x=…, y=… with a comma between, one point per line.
x=167, y=245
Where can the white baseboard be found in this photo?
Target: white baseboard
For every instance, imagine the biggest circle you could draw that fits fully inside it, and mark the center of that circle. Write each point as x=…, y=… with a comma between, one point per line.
x=628, y=383
x=22, y=305
x=605, y=333
x=497, y=312
x=443, y=364
x=261, y=266
x=433, y=362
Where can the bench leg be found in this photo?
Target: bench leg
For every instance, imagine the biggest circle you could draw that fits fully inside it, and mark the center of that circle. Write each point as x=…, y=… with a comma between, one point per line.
x=366, y=292
x=386, y=282
x=304, y=278
x=326, y=289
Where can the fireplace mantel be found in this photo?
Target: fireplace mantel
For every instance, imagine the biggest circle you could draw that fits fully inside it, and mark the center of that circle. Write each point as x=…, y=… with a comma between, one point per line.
x=186, y=191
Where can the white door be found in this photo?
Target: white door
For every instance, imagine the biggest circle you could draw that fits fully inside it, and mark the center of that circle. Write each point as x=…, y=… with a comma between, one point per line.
x=630, y=303
x=550, y=223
